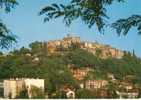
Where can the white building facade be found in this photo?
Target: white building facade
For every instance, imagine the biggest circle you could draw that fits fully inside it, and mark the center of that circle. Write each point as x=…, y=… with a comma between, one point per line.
x=13, y=87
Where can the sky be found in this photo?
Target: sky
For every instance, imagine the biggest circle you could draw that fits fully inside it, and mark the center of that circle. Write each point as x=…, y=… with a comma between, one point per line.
x=28, y=26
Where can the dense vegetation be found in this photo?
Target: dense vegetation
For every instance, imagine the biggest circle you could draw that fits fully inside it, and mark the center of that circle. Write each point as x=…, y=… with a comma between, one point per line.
x=54, y=70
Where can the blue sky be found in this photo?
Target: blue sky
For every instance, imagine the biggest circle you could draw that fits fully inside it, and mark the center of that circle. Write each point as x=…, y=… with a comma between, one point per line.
x=29, y=27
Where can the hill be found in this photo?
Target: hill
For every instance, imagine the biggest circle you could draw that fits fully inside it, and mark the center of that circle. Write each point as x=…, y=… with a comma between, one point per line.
x=91, y=69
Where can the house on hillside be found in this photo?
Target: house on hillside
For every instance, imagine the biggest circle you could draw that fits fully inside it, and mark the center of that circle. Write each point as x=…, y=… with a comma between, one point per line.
x=127, y=90
x=126, y=85
x=80, y=73
x=56, y=46
x=59, y=46
x=111, y=77
x=132, y=94
x=95, y=84
x=71, y=39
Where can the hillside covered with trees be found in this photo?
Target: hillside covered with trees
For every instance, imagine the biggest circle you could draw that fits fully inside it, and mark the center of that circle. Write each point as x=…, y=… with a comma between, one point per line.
x=34, y=63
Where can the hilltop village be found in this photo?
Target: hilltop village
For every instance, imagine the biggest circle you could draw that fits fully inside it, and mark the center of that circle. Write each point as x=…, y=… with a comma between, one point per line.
x=70, y=68
x=103, y=51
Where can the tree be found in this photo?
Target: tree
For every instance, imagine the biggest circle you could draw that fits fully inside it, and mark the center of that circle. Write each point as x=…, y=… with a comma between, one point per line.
x=7, y=5
x=81, y=58
x=37, y=93
x=84, y=93
x=37, y=48
x=6, y=37
x=56, y=75
x=92, y=12
x=124, y=25
x=112, y=87
x=98, y=52
x=23, y=94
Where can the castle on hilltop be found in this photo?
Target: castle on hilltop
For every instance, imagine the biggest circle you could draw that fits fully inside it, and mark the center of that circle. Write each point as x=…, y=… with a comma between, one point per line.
x=60, y=46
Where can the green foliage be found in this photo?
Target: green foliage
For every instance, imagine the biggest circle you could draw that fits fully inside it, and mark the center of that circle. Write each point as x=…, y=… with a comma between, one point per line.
x=98, y=52
x=124, y=25
x=35, y=47
x=139, y=93
x=96, y=74
x=89, y=11
x=20, y=65
x=81, y=58
x=58, y=95
x=85, y=94
x=7, y=5
x=56, y=73
x=112, y=87
x=23, y=94
x=6, y=37
x=1, y=92
x=37, y=93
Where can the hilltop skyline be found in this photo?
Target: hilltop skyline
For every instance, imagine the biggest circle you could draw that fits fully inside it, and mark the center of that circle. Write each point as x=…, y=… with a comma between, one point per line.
x=29, y=27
